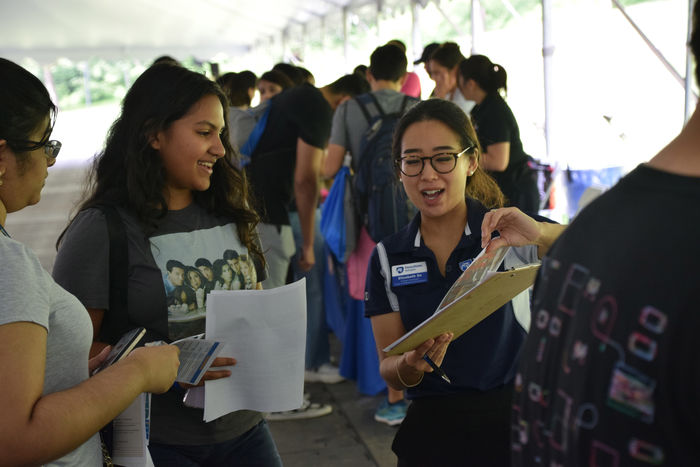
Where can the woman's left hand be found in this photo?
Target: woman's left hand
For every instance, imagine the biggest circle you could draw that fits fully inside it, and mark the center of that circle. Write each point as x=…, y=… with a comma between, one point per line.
x=214, y=374
x=97, y=360
x=514, y=226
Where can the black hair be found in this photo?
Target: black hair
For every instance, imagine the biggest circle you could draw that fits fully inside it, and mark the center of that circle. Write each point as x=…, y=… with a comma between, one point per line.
x=308, y=76
x=397, y=43
x=247, y=79
x=173, y=263
x=167, y=60
x=26, y=105
x=278, y=78
x=291, y=71
x=489, y=76
x=238, y=86
x=349, y=85
x=218, y=266
x=388, y=62
x=447, y=55
x=480, y=185
x=360, y=70
x=129, y=172
x=202, y=262
x=230, y=254
x=225, y=81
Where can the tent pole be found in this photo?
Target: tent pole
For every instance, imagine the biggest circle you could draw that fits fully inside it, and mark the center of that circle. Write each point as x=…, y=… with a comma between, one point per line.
x=416, y=45
x=345, y=36
x=547, y=53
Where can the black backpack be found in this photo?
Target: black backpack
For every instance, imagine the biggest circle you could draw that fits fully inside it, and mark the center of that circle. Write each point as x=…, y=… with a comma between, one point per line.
x=380, y=200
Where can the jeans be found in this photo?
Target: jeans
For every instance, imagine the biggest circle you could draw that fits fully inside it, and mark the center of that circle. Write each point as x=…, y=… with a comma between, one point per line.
x=278, y=247
x=317, y=346
x=255, y=448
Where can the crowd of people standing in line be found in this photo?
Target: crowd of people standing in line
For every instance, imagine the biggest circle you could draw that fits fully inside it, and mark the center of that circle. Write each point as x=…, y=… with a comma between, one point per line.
x=604, y=375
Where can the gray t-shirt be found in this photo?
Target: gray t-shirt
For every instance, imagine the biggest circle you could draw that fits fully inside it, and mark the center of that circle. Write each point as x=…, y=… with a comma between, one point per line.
x=170, y=273
x=28, y=293
x=349, y=123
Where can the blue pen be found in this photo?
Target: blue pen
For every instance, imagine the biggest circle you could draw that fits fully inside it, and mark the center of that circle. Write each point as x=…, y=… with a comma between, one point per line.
x=436, y=368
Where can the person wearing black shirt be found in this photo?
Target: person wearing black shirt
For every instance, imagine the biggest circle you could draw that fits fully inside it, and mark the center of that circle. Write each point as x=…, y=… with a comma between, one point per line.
x=504, y=158
x=610, y=372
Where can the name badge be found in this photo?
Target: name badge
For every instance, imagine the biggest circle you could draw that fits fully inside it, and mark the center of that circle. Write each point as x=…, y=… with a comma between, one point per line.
x=407, y=274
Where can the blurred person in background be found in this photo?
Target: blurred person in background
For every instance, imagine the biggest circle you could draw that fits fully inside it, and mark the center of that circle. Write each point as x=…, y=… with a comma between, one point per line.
x=503, y=156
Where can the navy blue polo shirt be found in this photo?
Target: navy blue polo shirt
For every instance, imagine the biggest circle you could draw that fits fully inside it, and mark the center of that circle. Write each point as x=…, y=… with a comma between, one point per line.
x=483, y=358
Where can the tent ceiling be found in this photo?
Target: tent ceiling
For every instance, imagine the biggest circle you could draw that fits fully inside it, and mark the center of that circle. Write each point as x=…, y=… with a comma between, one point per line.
x=77, y=29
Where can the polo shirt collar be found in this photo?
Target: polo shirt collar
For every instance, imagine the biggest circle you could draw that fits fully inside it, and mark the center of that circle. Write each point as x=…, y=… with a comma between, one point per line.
x=416, y=241
x=472, y=229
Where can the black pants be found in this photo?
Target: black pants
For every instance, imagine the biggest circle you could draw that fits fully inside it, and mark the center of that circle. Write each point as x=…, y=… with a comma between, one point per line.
x=471, y=429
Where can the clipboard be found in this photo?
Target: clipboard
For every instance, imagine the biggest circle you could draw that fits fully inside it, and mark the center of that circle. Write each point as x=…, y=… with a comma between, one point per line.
x=497, y=289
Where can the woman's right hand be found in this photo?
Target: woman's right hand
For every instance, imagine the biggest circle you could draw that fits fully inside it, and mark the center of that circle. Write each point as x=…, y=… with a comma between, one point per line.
x=159, y=364
x=433, y=348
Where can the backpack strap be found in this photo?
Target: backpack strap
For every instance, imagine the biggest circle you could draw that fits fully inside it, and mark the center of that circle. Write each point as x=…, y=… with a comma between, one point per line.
x=254, y=138
x=363, y=108
x=376, y=103
x=404, y=102
x=117, y=320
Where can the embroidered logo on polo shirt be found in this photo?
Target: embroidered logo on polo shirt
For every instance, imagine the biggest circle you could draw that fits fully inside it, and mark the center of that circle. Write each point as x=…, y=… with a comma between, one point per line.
x=463, y=265
x=407, y=274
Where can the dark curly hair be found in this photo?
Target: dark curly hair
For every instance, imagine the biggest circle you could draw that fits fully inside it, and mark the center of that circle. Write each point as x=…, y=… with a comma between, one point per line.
x=130, y=173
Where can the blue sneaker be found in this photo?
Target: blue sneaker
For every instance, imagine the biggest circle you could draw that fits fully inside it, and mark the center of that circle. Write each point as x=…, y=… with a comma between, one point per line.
x=391, y=414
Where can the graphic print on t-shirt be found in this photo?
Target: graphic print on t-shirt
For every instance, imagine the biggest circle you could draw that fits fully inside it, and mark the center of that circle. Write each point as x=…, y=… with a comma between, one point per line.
x=589, y=328
x=195, y=263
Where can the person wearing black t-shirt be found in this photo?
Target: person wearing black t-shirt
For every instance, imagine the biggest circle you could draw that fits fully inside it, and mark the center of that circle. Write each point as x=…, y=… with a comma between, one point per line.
x=504, y=158
x=610, y=371
x=285, y=168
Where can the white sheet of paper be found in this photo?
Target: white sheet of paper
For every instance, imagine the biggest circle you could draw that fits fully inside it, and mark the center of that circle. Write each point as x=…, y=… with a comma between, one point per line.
x=130, y=439
x=265, y=331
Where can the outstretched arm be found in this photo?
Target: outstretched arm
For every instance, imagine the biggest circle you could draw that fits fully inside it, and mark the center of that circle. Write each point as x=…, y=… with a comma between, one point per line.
x=517, y=229
x=36, y=428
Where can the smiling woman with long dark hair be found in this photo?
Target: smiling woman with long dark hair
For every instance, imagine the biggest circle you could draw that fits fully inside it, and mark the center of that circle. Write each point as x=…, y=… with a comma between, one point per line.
x=168, y=168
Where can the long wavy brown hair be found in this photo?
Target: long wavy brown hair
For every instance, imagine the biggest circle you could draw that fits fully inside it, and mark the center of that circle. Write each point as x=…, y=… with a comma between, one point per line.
x=130, y=173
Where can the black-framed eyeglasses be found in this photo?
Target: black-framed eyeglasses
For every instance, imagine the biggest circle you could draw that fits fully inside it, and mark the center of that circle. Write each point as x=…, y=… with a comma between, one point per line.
x=444, y=162
x=51, y=147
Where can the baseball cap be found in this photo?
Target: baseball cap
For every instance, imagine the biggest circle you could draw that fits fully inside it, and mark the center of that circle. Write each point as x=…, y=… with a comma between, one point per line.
x=427, y=52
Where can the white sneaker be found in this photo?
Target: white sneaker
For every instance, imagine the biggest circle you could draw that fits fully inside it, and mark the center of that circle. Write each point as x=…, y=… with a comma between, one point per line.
x=308, y=409
x=326, y=373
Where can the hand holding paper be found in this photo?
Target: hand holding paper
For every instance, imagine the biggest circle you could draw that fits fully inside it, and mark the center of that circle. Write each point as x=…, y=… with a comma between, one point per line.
x=514, y=227
x=477, y=293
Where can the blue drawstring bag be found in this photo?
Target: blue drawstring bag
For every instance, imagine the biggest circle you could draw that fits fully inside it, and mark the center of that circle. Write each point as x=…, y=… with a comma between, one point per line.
x=338, y=218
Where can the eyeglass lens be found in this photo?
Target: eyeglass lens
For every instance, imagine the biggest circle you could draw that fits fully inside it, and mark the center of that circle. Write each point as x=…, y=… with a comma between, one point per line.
x=442, y=163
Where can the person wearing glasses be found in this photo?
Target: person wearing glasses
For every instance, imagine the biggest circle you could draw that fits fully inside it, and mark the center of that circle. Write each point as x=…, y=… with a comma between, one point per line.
x=466, y=422
x=52, y=411
x=504, y=158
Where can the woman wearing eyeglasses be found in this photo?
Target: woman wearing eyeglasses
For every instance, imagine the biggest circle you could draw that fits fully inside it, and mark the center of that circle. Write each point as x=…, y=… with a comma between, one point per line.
x=51, y=409
x=466, y=422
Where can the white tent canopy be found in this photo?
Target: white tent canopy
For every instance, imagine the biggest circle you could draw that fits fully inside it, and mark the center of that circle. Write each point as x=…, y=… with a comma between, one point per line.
x=144, y=29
